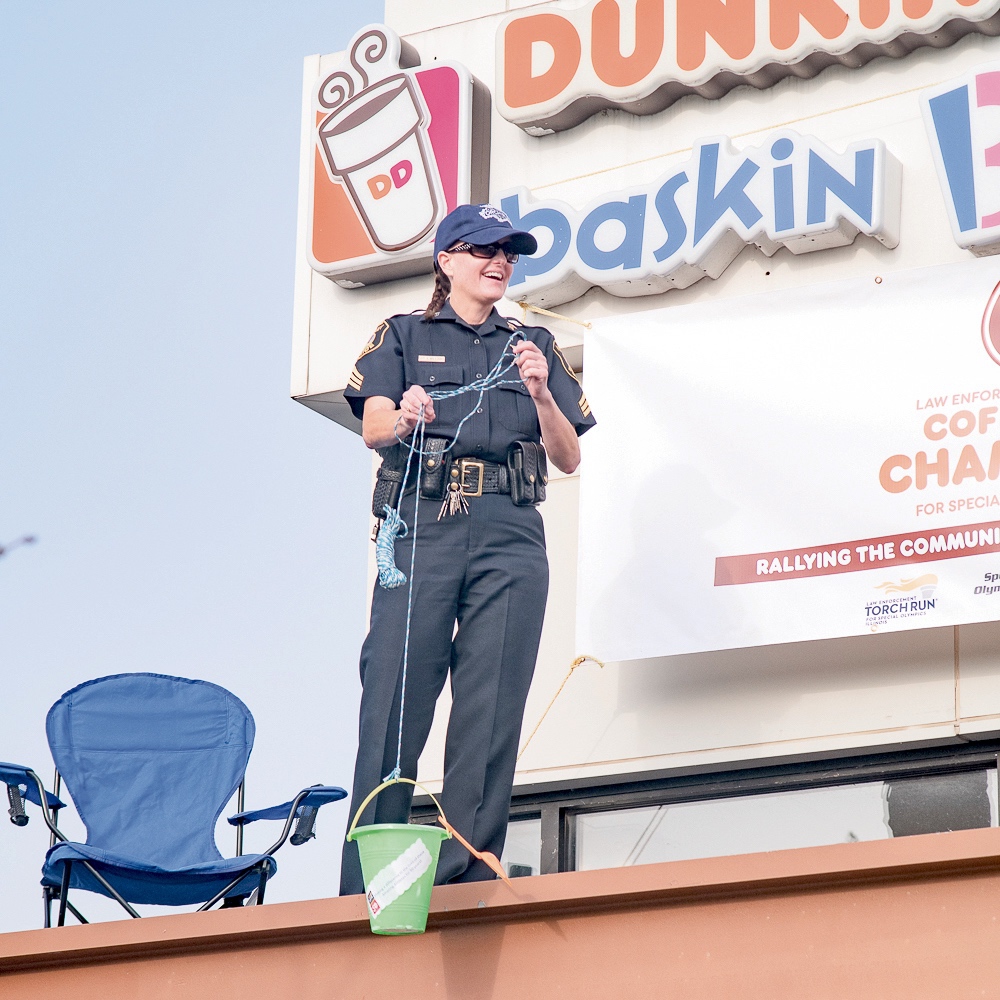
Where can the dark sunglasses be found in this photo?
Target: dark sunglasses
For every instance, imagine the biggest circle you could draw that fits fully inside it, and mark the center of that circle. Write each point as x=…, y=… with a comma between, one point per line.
x=487, y=252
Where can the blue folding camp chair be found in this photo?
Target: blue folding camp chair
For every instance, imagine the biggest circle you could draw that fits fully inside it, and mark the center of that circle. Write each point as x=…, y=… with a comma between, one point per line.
x=150, y=762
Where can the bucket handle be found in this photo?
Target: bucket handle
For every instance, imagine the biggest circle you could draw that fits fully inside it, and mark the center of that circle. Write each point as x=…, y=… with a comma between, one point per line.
x=486, y=857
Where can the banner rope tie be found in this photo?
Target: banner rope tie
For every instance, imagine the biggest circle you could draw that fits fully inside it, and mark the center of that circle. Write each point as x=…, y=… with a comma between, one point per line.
x=576, y=663
x=528, y=307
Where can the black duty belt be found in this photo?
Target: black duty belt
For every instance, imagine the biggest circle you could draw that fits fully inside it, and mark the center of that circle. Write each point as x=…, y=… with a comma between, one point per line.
x=474, y=477
x=471, y=477
x=523, y=477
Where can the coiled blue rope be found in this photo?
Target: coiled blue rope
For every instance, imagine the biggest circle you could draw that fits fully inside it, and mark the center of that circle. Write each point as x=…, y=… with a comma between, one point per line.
x=390, y=576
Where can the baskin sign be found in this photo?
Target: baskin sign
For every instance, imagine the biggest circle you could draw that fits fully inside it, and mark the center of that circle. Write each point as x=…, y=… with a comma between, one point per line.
x=396, y=146
x=792, y=191
x=963, y=123
x=555, y=68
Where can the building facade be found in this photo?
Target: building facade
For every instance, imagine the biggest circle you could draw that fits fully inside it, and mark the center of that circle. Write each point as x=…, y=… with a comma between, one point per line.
x=691, y=163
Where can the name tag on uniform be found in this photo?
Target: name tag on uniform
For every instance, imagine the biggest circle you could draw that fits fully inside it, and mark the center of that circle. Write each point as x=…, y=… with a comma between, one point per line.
x=436, y=358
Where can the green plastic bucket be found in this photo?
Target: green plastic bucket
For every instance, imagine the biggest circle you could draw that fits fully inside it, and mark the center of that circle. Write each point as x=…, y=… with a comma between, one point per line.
x=398, y=862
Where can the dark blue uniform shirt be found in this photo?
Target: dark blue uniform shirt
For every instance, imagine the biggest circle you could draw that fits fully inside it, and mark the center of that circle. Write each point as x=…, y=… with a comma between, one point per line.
x=445, y=353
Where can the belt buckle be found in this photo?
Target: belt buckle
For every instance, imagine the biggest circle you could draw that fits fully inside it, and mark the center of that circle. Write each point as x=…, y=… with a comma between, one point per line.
x=464, y=465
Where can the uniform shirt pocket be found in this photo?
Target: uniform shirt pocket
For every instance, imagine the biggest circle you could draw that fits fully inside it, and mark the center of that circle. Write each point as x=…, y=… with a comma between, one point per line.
x=515, y=409
x=433, y=376
x=437, y=376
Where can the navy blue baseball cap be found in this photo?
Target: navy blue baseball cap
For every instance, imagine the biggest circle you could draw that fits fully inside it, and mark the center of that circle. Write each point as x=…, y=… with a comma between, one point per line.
x=481, y=225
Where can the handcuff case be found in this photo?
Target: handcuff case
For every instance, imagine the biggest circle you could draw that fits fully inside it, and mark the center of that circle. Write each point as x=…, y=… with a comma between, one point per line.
x=529, y=473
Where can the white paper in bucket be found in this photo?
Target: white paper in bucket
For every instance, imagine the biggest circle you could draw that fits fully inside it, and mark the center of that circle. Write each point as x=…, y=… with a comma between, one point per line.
x=397, y=876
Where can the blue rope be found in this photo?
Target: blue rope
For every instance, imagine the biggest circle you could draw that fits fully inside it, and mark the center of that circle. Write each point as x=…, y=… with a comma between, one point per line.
x=390, y=576
x=397, y=770
x=491, y=380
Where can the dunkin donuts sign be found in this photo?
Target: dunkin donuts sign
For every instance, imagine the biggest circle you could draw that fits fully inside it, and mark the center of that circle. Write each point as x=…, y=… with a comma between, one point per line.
x=555, y=68
x=396, y=147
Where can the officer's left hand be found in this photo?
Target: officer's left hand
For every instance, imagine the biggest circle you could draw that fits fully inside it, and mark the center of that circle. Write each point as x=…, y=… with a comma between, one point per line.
x=533, y=367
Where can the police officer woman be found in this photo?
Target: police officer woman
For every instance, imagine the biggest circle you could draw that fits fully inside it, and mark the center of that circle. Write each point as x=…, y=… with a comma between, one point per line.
x=480, y=559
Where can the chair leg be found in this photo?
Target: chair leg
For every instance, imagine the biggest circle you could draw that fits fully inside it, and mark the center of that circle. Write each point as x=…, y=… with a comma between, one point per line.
x=64, y=891
x=112, y=891
x=263, y=883
x=76, y=913
x=47, y=904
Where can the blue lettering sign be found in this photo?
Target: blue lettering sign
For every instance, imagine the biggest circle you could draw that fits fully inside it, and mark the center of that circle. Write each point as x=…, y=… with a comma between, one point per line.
x=697, y=208
x=670, y=217
x=857, y=196
x=628, y=253
x=964, y=130
x=541, y=218
x=710, y=207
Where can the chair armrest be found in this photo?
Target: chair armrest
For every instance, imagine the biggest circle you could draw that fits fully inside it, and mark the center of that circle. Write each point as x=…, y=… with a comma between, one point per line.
x=304, y=806
x=313, y=797
x=17, y=775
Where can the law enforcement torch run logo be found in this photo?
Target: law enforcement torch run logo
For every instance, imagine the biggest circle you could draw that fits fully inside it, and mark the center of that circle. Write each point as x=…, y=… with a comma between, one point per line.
x=396, y=147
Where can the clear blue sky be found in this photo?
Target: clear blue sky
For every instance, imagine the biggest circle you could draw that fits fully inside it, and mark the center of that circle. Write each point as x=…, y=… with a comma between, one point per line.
x=191, y=518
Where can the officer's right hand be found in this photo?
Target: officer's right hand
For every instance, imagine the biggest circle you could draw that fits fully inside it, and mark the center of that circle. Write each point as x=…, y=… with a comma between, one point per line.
x=409, y=408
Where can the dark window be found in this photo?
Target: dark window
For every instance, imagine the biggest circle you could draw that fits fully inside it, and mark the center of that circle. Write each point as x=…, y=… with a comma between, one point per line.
x=642, y=819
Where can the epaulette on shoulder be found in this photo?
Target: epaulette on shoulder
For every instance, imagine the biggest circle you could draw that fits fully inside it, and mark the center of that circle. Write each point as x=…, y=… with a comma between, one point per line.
x=516, y=324
x=524, y=328
x=416, y=314
x=397, y=318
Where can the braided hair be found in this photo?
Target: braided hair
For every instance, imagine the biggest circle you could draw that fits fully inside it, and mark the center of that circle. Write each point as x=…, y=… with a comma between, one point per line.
x=442, y=286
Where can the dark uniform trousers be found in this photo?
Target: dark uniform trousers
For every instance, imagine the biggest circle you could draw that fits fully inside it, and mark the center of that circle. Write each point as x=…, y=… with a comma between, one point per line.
x=487, y=571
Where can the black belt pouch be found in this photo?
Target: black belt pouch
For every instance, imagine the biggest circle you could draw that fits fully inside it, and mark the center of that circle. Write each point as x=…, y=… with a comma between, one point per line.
x=529, y=472
x=434, y=469
x=389, y=478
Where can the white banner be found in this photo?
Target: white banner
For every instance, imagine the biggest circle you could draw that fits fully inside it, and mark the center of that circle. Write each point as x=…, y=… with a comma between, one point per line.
x=811, y=463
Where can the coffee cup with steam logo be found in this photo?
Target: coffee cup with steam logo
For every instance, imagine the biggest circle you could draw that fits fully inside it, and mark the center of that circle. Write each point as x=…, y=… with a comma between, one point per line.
x=374, y=140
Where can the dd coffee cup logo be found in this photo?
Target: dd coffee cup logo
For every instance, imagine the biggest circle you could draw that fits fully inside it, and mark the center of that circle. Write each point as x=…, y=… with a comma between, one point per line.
x=396, y=147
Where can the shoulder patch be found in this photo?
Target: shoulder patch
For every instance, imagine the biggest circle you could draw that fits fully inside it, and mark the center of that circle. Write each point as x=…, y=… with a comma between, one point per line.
x=376, y=340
